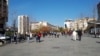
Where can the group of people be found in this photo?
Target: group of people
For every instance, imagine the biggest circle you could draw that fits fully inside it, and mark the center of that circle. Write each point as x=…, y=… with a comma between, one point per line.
x=38, y=36
x=17, y=38
x=77, y=33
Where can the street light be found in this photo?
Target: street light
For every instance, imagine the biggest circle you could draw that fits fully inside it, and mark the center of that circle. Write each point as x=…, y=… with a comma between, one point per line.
x=95, y=29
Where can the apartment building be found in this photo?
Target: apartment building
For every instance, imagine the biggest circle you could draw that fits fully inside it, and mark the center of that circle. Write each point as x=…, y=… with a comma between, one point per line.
x=3, y=15
x=23, y=24
x=37, y=25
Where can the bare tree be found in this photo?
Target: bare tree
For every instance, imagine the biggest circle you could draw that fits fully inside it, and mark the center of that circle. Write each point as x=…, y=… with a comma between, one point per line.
x=14, y=21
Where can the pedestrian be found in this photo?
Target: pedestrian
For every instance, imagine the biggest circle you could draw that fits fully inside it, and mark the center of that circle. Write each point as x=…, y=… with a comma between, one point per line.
x=79, y=34
x=74, y=35
x=58, y=34
x=15, y=38
x=38, y=37
x=28, y=38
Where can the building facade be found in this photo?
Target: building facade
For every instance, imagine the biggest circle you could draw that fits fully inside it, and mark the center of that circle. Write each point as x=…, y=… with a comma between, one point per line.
x=82, y=24
x=68, y=24
x=34, y=25
x=37, y=25
x=3, y=15
x=98, y=9
x=95, y=25
x=23, y=24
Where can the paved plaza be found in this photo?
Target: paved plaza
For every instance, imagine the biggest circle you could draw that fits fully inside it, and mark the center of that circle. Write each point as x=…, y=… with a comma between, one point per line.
x=50, y=46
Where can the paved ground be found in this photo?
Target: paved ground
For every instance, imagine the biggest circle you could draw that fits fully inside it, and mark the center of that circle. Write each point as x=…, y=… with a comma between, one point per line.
x=49, y=46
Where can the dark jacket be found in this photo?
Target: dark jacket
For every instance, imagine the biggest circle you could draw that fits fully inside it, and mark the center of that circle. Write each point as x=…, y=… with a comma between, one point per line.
x=79, y=32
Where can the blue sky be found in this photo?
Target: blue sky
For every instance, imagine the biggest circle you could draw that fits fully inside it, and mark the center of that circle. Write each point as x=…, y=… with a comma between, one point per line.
x=52, y=11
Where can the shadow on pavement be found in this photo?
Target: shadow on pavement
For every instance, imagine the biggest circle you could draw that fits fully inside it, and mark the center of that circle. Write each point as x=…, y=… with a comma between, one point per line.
x=31, y=41
x=98, y=42
x=41, y=40
x=94, y=37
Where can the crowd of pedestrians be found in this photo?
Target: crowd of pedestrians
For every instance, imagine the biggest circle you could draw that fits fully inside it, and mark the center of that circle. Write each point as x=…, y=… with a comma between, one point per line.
x=17, y=38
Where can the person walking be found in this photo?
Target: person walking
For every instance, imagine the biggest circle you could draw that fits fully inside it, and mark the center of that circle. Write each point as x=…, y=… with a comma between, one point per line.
x=38, y=37
x=79, y=34
x=74, y=35
x=28, y=38
x=15, y=38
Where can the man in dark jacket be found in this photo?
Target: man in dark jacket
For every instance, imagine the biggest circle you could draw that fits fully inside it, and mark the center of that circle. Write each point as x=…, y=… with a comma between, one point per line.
x=79, y=34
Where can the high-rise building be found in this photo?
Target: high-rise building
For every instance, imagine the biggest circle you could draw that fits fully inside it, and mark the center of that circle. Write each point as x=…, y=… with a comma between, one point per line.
x=23, y=24
x=98, y=7
x=3, y=15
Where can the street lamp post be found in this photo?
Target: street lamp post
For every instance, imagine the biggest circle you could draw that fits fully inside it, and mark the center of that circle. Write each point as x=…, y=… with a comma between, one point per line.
x=95, y=29
x=94, y=11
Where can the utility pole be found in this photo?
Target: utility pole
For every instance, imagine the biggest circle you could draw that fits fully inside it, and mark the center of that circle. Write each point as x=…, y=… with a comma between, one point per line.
x=94, y=10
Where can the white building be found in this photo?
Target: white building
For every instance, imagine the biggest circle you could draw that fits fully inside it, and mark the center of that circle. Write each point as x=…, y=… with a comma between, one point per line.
x=23, y=24
x=68, y=24
x=37, y=25
x=34, y=25
x=79, y=23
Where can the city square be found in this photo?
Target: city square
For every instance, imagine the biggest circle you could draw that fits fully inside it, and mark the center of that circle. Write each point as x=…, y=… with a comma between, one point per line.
x=51, y=46
x=49, y=28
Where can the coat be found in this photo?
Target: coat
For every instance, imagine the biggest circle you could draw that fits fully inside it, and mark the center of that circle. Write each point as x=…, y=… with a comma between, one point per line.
x=74, y=33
